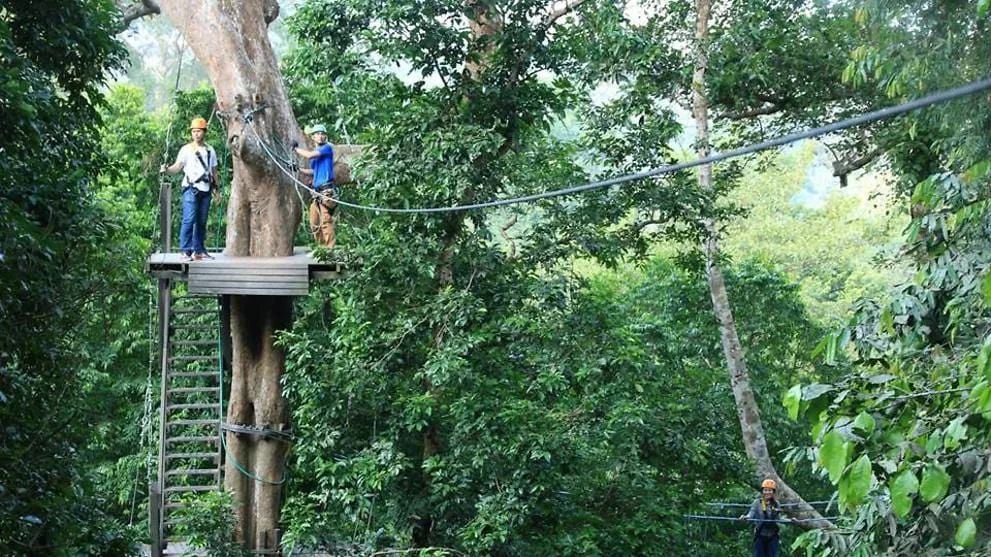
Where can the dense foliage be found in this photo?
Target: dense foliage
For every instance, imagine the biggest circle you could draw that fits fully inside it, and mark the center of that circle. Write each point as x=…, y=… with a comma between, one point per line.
x=60, y=252
x=544, y=379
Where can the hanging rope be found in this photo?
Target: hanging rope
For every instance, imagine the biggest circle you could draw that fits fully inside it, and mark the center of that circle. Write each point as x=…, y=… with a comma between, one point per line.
x=223, y=167
x=145, y=437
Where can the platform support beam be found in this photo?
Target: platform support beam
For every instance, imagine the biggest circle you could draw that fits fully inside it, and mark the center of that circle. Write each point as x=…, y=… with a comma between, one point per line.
x=165, y=215
x=155, y=518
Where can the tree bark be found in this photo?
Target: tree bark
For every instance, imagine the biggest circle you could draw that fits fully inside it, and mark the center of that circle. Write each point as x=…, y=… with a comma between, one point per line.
x=231, y=40
x=748, y=413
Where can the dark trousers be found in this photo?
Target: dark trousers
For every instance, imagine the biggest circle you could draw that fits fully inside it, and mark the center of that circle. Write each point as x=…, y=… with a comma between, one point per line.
x=765, y=547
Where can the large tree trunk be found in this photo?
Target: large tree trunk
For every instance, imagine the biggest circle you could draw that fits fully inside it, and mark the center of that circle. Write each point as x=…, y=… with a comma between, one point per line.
x=482, y=26
x=747, y=410
x=231, y=40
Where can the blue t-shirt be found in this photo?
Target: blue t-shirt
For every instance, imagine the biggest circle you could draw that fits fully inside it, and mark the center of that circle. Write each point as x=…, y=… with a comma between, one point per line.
x=323, y=167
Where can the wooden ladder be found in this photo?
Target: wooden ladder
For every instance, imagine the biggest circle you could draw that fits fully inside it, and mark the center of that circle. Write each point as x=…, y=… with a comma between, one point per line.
x=190, y=454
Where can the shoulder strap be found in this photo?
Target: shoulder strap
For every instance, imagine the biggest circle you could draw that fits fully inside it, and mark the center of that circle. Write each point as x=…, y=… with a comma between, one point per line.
x=206, y=168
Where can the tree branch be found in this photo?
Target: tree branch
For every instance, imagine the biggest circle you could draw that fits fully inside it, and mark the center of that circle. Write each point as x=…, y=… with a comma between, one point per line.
x=511, y=241
x=843, y=167
x=769, y=108
x=136, y=10
x=557, y=13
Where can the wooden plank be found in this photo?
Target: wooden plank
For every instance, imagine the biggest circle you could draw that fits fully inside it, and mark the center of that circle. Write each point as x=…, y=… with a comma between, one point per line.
x=257, y=272
x=281, y=283
x=255, y=291
x=251, y=262
x=249, y=275
x=207, y=267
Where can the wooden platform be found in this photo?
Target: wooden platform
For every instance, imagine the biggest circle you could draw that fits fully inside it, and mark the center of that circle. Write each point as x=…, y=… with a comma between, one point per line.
x=249, y=276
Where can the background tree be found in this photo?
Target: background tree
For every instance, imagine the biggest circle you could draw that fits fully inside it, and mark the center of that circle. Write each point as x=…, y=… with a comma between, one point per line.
x=59, y=258
x=918, y=417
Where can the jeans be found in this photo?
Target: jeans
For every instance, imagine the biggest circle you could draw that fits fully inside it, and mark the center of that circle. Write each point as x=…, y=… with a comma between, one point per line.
x=195, y=208
x=765, y=547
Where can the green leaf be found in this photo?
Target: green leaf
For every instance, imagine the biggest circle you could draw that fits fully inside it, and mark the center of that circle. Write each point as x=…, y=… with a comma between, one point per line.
x=856, y=483
x=984, y=359
x=935, y=482
x=865, y=422
x=793, y=401
x=980, y=395
x=986, y=288
x=982, y=7
x=955, y=432
x=834, y=454
x=903, y=487
x=934, y=442
x=966, y=533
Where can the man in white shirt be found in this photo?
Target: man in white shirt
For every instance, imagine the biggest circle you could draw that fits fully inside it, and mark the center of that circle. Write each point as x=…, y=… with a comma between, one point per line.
x=198, y=163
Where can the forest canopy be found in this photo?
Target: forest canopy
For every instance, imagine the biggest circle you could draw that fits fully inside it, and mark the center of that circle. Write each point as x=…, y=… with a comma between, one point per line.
x=547, y=378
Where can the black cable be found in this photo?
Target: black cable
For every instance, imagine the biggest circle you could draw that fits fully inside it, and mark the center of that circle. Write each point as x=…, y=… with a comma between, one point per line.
x=882, y=114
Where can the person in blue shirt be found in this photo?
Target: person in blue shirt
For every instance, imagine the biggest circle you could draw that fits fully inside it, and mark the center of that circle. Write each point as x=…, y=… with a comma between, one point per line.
x=322, y=208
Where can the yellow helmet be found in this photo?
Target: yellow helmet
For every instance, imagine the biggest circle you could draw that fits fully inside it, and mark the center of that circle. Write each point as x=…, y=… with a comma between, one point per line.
x=198, y=124
x=769, y=484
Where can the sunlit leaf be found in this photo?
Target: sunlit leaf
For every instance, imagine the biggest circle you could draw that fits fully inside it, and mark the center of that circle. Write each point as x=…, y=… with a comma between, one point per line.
x=935, y=482
x=834, y=454
x=903, y=487
x=793, y=401
x=955, y=432
x=865, y=423
x=856, y=483
x=966, y=533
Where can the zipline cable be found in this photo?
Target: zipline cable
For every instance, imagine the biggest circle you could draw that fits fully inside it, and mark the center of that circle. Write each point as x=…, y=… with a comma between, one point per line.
x=874, y=116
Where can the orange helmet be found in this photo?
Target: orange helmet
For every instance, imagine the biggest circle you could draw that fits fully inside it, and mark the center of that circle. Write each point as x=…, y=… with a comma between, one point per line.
x=769, y=484
x=198, y=124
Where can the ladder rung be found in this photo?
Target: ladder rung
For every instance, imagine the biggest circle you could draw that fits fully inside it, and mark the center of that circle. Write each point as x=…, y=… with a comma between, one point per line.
x=194, y=406
x=171, y=423
x=193, y=310
x=191, y=488
x=193, y=439
x=194, y=374
x=195, y=327
x=191, y=358
x=174, y=456
x=209, y=342
x=194, y=472
x=188, y=390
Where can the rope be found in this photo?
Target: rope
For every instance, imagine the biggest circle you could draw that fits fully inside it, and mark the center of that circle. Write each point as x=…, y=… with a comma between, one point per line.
x=782, y=505
x=144, y=439
x=259, y=431
x=246, y=472
x=882, y=114
x=224, y=426
x=220, y=205
x=748, y=519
